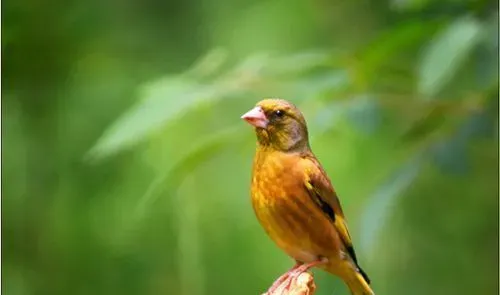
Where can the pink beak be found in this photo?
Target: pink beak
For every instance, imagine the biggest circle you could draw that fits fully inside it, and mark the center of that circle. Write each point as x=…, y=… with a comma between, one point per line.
x=256, y=117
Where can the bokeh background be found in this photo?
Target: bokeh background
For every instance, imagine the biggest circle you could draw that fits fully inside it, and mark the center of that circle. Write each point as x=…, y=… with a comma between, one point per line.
x=126, y=166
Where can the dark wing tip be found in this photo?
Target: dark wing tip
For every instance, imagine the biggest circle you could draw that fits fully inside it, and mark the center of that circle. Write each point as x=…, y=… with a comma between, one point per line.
x=352, y=253
x=363, y=273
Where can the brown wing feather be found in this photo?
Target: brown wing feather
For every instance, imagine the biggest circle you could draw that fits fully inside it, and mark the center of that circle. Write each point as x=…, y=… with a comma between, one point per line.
x=321, y=191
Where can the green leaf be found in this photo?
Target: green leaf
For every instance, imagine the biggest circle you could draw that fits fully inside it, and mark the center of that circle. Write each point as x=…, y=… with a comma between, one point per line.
x=202, y=151
x=383, y=200
x=209, y=64
x=446, y=53
x=161, y=101
x=486, y=57
x=298, y=63
x=430, y=121
x=402, y=37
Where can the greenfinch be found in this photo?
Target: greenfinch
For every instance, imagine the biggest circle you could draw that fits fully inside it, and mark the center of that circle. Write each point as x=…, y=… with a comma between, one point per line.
x=294, y=199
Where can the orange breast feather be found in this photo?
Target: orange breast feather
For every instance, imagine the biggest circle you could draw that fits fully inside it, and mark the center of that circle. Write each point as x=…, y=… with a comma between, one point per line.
x=284, y=208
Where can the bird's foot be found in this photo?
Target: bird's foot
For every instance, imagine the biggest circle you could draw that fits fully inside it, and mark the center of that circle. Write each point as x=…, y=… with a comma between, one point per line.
x=282, y=279
x=296, y=272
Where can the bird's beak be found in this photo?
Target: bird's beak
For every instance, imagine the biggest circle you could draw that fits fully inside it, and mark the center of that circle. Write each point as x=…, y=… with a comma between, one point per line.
x=256, y=117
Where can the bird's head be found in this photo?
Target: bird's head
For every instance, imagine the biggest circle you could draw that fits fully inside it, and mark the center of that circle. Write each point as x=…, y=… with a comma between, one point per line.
x=279, y=125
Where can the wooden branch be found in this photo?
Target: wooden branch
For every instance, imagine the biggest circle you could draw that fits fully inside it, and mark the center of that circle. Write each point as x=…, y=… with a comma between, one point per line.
x=302, y=285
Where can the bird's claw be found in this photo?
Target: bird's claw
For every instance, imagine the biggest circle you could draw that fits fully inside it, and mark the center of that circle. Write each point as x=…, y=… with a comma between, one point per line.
x=296, y=283
x=278, y=282
x=285, y=281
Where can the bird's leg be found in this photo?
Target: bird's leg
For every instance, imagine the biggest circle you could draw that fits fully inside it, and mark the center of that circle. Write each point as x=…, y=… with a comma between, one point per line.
x=295, y=273
x=306, y=266
x=283, y=278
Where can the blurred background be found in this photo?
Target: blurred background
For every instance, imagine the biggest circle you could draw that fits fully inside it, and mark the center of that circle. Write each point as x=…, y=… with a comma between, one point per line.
x=126, y=166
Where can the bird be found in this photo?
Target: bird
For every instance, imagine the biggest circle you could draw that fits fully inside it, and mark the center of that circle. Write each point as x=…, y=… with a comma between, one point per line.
x=294, y=200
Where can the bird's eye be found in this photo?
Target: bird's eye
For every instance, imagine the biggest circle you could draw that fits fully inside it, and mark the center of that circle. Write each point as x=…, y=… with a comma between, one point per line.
x=279, y=113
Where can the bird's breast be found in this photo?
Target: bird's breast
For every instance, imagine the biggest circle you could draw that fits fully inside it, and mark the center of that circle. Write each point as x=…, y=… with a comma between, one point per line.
x=285, y=210
x=270, y=178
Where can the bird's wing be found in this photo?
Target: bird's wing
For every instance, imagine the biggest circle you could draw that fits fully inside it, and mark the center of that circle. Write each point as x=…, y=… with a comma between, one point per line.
x=322, y=193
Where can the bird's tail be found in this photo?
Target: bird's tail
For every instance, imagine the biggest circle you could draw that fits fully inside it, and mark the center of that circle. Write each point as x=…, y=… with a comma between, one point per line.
x=358, y=283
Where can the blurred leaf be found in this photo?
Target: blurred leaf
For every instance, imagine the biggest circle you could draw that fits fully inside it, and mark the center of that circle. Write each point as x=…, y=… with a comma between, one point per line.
x=327, y=117
x=446, y=53
x=450, y=156
x=486, y=67
x=160, y=102
x=399, y=38
x=209, y=64
x=477, y=125
x=387, y=62
x=192, y=158
x=253, y=65
x=298, y=63
x=365, y=113
x=430, y=121
x=318, y=84
x=362, y=110
x=328, y=114
x=486, y=57
x=381, y=203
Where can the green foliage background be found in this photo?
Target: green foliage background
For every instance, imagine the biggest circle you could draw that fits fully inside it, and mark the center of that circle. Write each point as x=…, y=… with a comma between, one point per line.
x=126, y=167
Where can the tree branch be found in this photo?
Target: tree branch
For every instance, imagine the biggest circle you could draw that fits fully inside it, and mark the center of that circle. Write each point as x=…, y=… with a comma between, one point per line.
x=302, y=285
